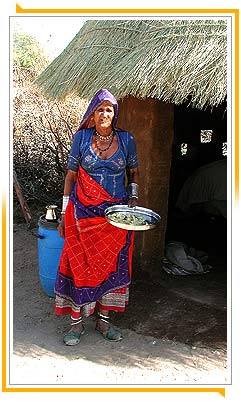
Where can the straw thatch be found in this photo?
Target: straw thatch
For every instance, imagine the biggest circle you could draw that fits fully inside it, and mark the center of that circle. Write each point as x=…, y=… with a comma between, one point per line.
x=171, y=60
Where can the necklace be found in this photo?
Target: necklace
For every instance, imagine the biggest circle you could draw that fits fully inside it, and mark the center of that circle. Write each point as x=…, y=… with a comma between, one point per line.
x=104, y=149
x=104, y=138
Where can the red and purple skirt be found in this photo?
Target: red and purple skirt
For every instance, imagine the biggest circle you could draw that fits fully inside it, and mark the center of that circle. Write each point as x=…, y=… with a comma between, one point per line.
x=96, y=261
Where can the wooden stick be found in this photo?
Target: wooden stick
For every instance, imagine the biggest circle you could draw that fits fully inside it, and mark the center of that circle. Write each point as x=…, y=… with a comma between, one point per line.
x=22, y=201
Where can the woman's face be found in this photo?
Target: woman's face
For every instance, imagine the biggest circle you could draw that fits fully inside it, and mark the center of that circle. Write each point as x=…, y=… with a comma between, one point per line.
x=104, y=115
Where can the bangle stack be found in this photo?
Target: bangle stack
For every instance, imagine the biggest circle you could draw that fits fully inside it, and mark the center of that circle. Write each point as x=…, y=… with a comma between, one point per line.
x=132, y=190
x=64, y=204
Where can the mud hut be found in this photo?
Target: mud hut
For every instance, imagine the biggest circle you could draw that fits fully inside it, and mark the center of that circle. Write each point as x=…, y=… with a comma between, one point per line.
x=151, y=66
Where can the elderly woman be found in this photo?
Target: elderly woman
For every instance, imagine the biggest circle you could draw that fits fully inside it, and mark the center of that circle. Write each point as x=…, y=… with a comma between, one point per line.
x=96, y=262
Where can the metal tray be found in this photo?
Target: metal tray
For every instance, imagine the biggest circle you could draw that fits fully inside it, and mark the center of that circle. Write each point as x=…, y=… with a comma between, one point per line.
x=152, y=219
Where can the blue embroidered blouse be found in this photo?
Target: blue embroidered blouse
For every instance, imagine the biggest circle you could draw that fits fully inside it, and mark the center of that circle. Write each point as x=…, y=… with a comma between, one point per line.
x=109, y=173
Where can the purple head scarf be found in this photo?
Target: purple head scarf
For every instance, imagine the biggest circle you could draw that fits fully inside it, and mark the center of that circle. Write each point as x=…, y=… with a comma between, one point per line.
x=99, y=97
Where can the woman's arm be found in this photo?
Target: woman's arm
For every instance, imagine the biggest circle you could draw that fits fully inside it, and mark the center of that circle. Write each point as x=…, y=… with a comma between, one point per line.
x=69, y=182
x=133, y=177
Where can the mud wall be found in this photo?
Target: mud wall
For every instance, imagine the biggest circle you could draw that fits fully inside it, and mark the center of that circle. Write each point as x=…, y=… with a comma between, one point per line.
x=151, y=123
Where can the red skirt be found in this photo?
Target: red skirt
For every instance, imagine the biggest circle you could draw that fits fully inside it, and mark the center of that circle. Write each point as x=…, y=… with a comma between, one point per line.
x=96, y=260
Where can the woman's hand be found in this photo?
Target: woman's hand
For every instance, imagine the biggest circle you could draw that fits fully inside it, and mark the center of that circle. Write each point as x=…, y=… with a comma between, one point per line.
x=60, y=228
x=132, y=202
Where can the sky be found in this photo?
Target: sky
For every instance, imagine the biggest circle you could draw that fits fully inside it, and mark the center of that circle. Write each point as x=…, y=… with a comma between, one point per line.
x=53, y=33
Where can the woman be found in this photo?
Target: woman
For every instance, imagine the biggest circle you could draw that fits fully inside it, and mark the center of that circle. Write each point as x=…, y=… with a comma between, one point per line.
x=95, y=265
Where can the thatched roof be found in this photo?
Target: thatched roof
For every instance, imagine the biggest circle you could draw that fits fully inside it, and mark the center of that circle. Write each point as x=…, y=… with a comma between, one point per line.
x=171, y=60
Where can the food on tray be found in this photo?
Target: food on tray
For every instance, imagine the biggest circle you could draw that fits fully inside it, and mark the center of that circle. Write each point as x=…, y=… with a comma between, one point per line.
x=133, y=219
x=129, y=218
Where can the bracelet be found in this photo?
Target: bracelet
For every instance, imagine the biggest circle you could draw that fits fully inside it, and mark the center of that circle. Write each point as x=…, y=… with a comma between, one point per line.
x=65, y=203
x=132, y=190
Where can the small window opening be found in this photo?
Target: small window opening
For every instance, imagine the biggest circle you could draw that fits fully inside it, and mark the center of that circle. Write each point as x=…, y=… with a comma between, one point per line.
x=206, y=136
x=224, y=149
x=183, y=148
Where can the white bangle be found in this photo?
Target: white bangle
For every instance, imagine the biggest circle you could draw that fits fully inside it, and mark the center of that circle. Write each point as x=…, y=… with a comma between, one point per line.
x=65, y=203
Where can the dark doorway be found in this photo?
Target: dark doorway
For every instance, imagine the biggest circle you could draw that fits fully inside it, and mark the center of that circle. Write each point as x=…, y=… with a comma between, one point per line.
x=200, y=140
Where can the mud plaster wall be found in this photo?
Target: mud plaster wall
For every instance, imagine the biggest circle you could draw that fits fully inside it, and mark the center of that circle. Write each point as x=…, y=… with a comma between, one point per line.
x=151, y=123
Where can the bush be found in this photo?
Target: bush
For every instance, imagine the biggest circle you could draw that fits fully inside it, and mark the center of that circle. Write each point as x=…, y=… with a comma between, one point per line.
x=42, y=135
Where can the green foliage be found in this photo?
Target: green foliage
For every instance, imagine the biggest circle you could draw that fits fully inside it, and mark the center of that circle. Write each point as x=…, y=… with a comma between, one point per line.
x=27, y=52
x=43, y=129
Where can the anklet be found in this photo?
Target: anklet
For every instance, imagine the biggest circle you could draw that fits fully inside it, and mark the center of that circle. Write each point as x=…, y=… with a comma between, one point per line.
x=76, y=321
x=104, y=318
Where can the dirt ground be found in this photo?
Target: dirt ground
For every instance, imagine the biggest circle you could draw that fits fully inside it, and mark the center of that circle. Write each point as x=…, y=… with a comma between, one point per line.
x=174, y=331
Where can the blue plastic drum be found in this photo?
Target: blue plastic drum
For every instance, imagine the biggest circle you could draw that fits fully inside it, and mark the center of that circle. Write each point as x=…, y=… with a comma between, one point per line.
x=50, y=246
